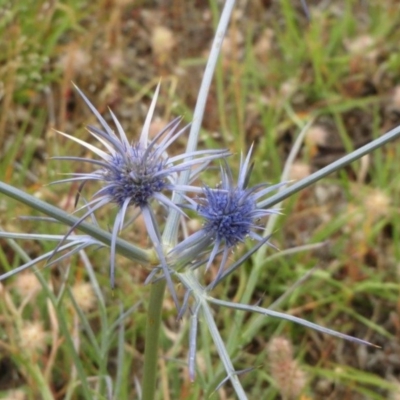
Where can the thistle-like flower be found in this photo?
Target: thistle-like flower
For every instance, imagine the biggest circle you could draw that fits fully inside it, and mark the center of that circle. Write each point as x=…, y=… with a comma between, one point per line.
x=231, y=213
x=133, y=174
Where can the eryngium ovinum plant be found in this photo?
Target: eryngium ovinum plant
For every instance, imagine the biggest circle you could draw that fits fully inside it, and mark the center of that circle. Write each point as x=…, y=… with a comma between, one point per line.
x=138, y=173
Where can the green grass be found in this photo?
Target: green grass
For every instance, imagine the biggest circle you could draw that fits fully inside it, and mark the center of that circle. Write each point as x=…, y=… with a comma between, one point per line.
x=309, y=71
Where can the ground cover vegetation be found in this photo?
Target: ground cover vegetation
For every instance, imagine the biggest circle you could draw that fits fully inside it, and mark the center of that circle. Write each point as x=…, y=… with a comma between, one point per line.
x=337, y=69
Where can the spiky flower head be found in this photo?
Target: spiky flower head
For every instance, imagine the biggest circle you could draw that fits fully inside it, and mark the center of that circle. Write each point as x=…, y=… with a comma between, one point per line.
x=230, y=212
x=133, y=174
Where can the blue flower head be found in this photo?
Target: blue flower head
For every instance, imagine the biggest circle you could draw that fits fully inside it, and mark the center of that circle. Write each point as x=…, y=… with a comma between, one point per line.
x=231, y=213
x=228, y=214
x=134, y=174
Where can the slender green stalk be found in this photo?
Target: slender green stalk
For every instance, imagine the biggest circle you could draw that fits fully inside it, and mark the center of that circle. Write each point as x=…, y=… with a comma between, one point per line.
x=42, y=385
x=153, y=324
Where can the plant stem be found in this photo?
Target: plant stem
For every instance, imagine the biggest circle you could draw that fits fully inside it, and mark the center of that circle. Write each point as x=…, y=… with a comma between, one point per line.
x=157, y=290
x=123, y=247
x=329, y=169
x=40, y=381
x=153, y=324
x=172, y=224
x=199, y=293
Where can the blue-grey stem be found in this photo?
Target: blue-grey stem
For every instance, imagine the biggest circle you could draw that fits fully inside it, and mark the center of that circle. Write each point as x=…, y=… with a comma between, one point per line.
x=172, y=224
x=199, y=293
x=171, y=228
x=270, y=313
x=123, y=247
x=342, y=162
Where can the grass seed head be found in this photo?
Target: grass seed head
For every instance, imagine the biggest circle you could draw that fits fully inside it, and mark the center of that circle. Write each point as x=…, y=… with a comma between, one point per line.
x=33, y=337
x=84, y=296
x=288, y=377
x=27, y=284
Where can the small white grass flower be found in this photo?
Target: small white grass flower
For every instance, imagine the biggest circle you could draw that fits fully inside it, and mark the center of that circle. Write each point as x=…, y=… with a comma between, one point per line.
x=33, y=337
x=135, y=173
x=230, y=212
x=84, y=296
x=27, y=284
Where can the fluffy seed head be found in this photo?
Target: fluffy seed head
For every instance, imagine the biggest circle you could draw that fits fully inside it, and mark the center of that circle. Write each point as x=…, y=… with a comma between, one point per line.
x=84, y=296
x=27, y=284
x=289, y=378
x=33, y=337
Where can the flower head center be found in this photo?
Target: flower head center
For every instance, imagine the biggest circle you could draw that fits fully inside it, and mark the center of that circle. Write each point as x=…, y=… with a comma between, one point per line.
x=228, y=214
x=135, y=175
